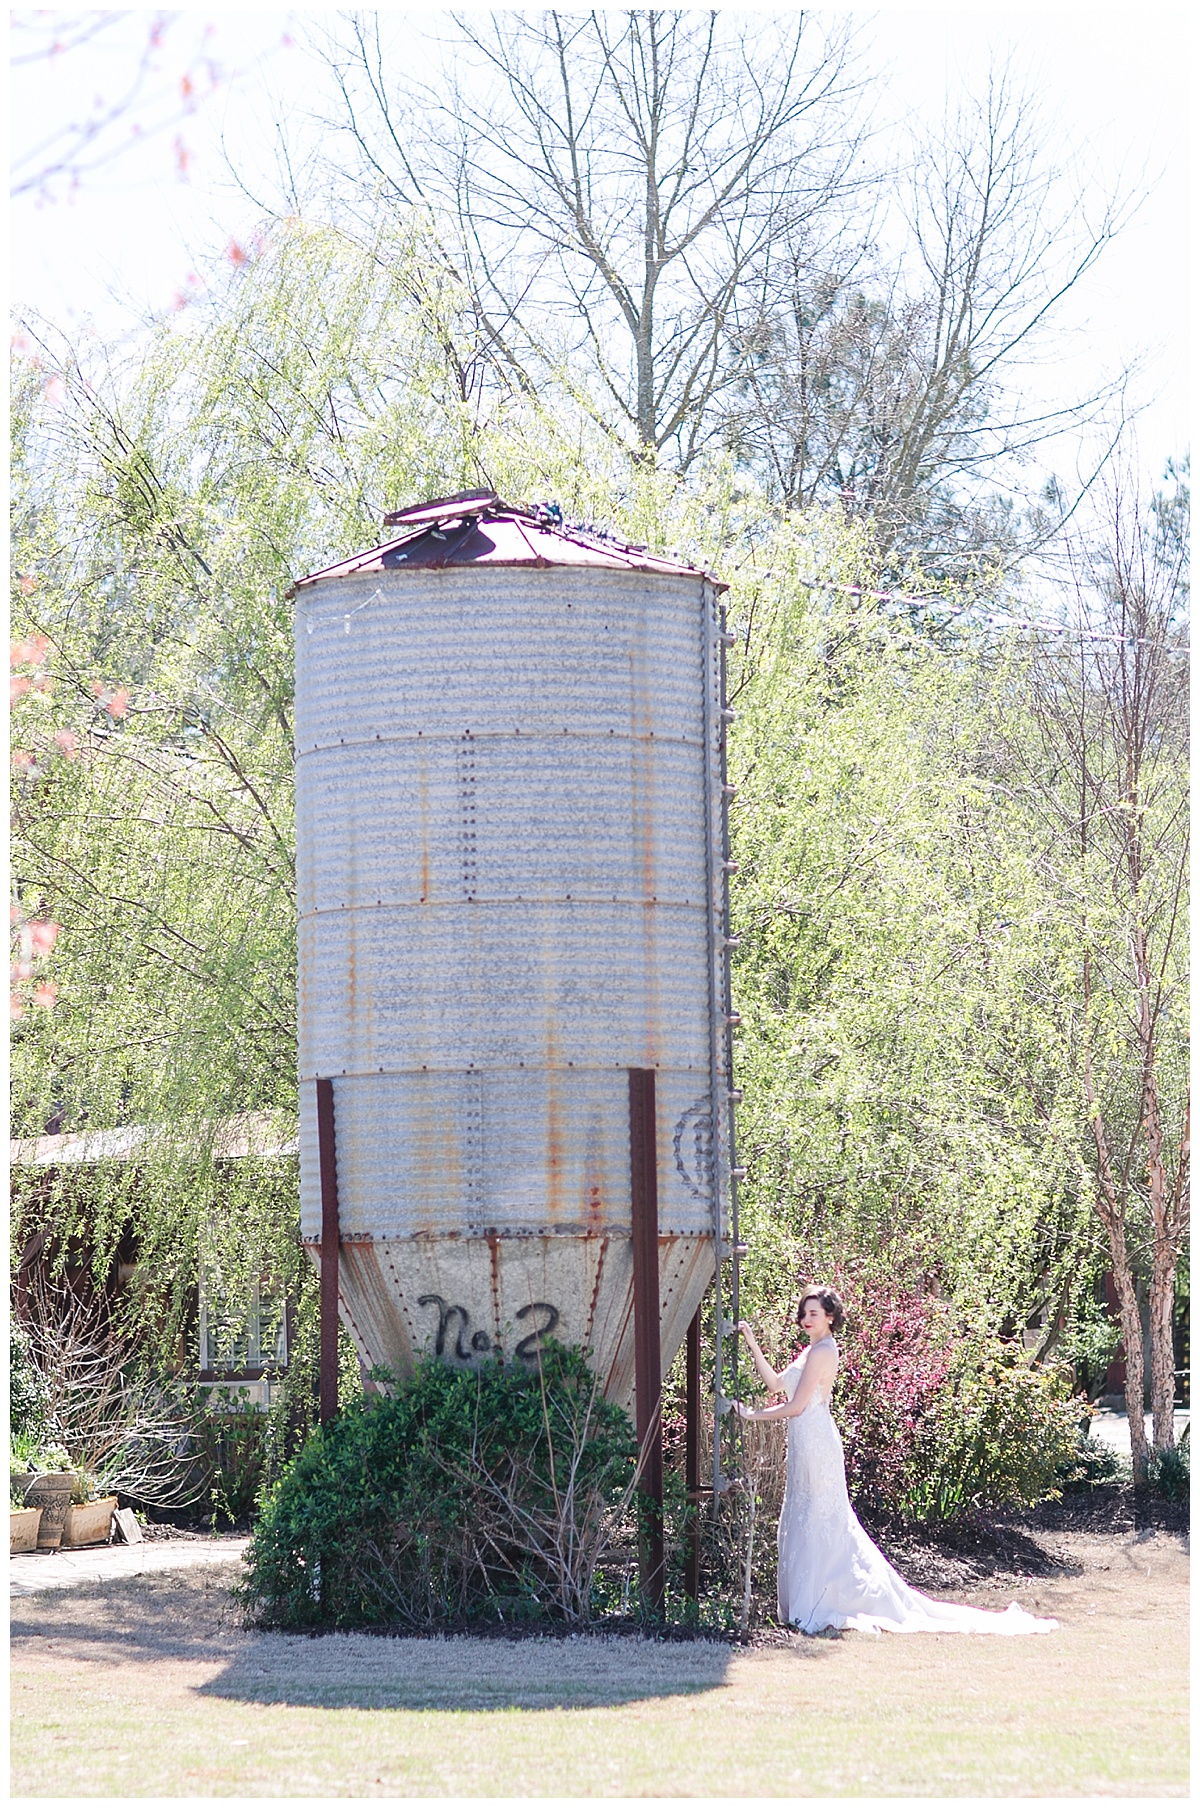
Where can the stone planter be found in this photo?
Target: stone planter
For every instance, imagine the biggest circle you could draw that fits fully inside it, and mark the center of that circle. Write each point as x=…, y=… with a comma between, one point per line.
x=89, y=1523
x=23, y=1525
x=52, y=1493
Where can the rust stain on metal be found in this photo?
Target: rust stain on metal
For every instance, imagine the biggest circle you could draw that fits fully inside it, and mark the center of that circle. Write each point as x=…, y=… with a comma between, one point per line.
x=351, y=935
x=642, y=828
x=594, y=1302
x=380, y=1331
x=425, y=888
x=493, y=1243
x=596, y=1176
x=554, y=1133
x=436, y=1167
x=552, y=1060
x=540, y=792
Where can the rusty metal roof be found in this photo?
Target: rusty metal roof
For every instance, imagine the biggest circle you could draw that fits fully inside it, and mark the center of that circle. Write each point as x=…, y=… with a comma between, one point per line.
x=477, y=528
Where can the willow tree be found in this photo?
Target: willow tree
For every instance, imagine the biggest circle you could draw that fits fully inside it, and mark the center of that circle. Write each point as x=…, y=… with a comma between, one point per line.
x=163, y=507
x=882, y=972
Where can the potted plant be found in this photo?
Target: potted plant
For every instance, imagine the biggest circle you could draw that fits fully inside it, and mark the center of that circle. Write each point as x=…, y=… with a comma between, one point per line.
x=50, y=1489
x=88, y=1519
x=23, y=1521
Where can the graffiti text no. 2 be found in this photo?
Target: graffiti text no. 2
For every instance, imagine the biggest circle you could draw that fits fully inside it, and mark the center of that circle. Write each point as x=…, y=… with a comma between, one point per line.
x=454, y=1333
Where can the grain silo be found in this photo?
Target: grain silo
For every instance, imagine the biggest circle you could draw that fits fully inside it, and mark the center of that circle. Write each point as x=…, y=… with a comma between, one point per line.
x=512, y=879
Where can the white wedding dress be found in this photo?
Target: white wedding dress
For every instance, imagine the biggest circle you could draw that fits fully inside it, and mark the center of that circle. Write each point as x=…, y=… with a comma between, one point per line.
x=830, y=1574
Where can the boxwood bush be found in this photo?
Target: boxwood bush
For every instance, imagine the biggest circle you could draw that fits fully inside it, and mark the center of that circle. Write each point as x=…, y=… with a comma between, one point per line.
x=1170, y=1471
x=463, y=1495
x=996, y=1438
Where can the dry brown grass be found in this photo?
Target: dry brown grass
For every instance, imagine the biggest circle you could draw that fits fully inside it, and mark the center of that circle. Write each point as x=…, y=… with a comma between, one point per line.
x=151, y=1687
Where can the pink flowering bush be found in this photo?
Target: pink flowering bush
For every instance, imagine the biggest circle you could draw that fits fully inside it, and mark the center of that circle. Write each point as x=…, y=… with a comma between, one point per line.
x=897, y=1348
x=939, y=1420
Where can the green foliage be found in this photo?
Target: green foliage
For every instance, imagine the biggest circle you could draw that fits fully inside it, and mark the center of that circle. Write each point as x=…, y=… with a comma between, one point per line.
x=1092, y=1464
x=889, y=1051
x=28, y=1393
x=162, y=508
x=231, y=1448
x=909, y=974
x=468, y=1494
x=1170, y=1471
x=996, y=1438
x=241, y=1450
x=35, y=1453
x=30, y=1454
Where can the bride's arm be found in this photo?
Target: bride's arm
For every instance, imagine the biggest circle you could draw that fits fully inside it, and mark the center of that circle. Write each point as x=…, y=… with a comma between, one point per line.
x=773, y=1381
x=820, y=1367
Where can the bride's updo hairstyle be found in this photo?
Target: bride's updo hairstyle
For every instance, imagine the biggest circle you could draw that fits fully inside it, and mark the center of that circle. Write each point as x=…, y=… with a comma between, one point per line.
x=830, y=1303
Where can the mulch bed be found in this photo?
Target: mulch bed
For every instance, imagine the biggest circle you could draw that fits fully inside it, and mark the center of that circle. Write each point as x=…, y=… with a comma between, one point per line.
x=998, y=1551
x=1116, y=1509
x=1001, y=1549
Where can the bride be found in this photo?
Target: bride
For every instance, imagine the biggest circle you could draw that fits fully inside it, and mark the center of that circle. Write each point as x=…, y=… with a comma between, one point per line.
x=830, y=1573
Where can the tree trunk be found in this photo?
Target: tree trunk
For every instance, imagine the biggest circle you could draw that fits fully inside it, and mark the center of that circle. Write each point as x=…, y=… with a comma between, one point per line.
x=647, y=421
x=1163, y=1244
x=1162, y=1343
x=1110, y=1206
x=1131, y=1336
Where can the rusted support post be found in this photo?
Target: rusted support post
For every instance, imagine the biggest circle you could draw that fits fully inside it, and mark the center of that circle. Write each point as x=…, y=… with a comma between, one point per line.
x=643, y=1165
x=331, y=1238
x=692, y=1458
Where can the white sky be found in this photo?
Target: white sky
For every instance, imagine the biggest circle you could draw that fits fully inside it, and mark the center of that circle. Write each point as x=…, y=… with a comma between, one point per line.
x=1114, y=86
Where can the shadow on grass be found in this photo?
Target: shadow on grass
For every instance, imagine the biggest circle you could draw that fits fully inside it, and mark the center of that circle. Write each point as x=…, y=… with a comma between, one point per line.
x=193, y=1617
x=458, y=1672
x=362, y=1670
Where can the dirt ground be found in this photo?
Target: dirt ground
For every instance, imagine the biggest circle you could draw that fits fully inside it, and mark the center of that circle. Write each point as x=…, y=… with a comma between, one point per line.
x=151, y=1687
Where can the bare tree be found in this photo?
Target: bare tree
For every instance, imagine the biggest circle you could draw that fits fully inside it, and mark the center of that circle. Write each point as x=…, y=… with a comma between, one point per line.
x=1111, y=707
x=144, y=100
x=130, y=1433
x=893, y=381
x=608, y=184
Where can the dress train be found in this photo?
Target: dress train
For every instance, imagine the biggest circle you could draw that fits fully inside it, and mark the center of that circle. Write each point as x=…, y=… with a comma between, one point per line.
x=830, y=1573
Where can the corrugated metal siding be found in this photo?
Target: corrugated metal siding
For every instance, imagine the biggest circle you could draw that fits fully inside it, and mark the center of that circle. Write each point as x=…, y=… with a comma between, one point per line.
x=521, y=817
x=494, y=650
x=508, y=815
x=541, y=1151
x=504, y=985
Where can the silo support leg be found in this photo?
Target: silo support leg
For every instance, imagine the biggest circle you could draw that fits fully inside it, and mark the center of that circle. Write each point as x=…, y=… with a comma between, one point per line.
x=692, y=1458
x=331, y=1238
x=643, y=1165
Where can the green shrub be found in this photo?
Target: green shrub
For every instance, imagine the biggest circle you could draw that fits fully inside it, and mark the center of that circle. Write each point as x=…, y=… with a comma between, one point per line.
x=468, y=1494
x=1170, y=1471
x=1092, y=1464
x=229, y=1447
x=28, y=1390
x=995, y=1437
x=939, y=1418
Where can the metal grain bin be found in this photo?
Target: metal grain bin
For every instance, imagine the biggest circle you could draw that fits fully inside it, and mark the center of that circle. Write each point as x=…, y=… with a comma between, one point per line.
x=510, y=845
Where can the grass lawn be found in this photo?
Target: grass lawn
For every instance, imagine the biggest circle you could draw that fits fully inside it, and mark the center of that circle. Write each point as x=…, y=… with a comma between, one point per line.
x=150, y=1687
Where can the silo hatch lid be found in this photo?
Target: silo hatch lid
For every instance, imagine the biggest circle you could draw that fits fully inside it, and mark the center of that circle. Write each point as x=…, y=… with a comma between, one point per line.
x=442, y=508
x=476, y=527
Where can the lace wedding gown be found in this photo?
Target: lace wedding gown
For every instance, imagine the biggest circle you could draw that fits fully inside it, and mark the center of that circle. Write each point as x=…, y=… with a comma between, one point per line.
x=830, y=1574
